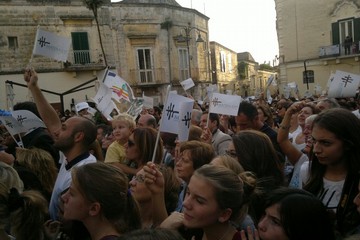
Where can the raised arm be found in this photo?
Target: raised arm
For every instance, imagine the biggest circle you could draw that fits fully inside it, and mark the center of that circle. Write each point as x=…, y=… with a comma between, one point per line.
x=290, y=151
x=47, y=112
x=155, y=182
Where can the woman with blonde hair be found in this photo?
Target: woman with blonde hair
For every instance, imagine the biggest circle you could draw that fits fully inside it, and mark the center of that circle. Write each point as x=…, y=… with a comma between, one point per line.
x=215, y=199
x=24, y=212
x=10, y=177
x=41, y=163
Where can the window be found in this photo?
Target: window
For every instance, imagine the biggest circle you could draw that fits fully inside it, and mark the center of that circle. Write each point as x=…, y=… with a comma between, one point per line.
x=184, y=63
x=80, y=45
x=343, y=28
x=222, y=61
x=310, y=76
x=13, y=43
x=145, y=65
x=229, y=62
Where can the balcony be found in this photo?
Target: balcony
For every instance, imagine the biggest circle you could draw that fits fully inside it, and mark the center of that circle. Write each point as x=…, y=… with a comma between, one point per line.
x=338, y=50
x=148, y=77
x=197, y=75
x=84, y=60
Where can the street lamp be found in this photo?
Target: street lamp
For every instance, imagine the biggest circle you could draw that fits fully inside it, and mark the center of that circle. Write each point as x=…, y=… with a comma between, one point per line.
x=186, y=38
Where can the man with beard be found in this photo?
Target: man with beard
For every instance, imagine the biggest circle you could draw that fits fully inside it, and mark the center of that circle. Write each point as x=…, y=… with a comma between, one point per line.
x=72, y=138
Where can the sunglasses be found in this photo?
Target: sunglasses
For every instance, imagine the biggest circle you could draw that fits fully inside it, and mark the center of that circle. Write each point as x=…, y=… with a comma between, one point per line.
x=130, y=143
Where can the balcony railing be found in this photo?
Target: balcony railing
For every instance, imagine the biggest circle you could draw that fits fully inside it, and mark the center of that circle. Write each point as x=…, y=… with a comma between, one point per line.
x=197, y=74
x=84, y=59
x=148, y=76
x=338, y=50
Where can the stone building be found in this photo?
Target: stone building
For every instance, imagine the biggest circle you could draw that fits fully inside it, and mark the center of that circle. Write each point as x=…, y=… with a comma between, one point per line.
x=224, y=68
x=311, y=37
x=151, y=44
x=253, y=80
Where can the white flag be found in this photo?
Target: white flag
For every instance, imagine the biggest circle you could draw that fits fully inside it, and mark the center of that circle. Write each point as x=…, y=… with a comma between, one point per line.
x=225, y=104
x=185, y=120
x=292, y=85
x=268, y=96
x=103, y=100
x=171, y=113
x=28, y=119
x=187, y=84
x=269, y=81
x=343, y=84
x=120, y=88
x=12, y=125
x=148, y=102
x=50, y=45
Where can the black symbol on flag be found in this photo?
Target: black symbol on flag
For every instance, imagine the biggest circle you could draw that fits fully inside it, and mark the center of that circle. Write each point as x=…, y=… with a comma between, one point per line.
x=170, y=111
x=347, y=79
x=42, y=42
x=9, y=124
x=21, y=119
x=216, y=101
x=187, y=119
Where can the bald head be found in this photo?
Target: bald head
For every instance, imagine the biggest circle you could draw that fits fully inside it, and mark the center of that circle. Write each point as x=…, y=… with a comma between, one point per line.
x=147, y=120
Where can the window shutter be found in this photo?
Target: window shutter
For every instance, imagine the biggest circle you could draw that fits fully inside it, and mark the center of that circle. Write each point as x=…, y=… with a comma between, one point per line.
x=356, y=30
x=335, y=33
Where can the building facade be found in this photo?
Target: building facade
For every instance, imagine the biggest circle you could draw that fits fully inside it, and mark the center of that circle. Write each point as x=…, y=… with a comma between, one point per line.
x=151, y=44
x=224, y=68
x=252, y=79
x=312, y=41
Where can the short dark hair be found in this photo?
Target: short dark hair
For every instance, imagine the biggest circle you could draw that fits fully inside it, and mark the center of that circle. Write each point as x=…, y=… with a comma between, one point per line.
x=214, y=117
x=248, y=110
x=88, y=128
x=30, y=106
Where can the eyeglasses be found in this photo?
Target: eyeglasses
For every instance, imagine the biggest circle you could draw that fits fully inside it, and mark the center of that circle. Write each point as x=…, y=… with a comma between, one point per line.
x=130, y=143
x=231, y=153
x=138, y=178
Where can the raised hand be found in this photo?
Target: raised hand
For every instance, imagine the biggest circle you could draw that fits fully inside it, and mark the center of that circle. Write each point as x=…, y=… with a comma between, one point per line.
x=250, y=234
x=154, y=179
x=30, y=77
x=174, y=221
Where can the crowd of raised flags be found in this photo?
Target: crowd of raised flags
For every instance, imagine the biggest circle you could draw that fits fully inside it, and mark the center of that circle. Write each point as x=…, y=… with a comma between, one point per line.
x=113, y=90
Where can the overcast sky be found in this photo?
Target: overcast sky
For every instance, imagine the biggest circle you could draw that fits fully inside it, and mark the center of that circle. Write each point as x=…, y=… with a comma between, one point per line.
x=241, y=25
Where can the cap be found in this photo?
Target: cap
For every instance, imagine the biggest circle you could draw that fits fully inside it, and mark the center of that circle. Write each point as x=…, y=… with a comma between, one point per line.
x=81, y=106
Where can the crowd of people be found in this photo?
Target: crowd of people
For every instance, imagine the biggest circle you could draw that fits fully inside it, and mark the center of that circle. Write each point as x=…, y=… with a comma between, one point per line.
x=285, y=170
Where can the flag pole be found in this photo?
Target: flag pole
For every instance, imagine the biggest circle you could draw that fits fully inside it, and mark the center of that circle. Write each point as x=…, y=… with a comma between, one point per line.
x=161, y=120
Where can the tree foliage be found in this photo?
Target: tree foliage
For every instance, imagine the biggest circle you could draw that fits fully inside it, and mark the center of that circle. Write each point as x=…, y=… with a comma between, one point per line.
x=243, y=70
x=266, y=67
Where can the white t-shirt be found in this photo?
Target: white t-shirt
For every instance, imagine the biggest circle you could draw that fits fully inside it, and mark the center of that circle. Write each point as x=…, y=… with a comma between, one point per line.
x=331, y=194
x=62, y=182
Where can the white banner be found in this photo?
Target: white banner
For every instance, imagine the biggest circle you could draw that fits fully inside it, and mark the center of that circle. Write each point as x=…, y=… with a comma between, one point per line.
x=148, y=102
x=171, y=113
x=103, y=100
x=28, y=119
x=185, y=120
x=12, y=125
x=343, y=84
x=120, y=88
x=187, y=84
x=51, y=45
x=225, y=104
